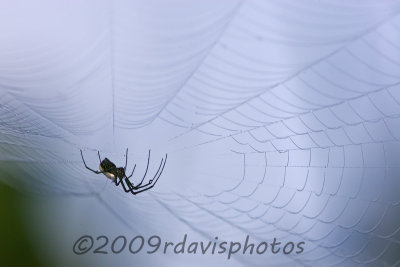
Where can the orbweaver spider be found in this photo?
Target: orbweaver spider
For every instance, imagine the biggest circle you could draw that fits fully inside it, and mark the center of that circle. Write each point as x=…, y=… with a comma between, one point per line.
x=118, y=176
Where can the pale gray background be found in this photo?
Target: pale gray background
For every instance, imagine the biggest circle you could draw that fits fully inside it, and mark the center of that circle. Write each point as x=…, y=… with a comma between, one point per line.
x=280, y=119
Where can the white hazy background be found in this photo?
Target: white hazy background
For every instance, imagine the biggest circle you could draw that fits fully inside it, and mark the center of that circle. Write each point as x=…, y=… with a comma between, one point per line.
x=280, y=119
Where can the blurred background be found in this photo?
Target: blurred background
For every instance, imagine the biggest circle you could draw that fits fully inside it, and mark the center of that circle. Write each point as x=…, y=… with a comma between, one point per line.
x=281, y=119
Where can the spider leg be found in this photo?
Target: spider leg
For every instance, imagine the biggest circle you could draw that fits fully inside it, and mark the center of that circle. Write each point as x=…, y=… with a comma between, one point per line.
x=129, y=184
x=123, y=185
x=98, y=153
x=120, y=180
x=96, y=172
x=147, y=168
x=134, y=167
x=138, y=189
x=126, y=163
x=132, y=187
x=126, y=159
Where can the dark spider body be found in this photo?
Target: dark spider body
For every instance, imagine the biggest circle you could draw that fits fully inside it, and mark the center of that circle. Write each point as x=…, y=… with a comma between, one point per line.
x=110, y=170
x=118, y=175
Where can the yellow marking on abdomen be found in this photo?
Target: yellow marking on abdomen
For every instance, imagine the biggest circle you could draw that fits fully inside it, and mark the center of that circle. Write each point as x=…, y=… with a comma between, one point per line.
x=109, y=175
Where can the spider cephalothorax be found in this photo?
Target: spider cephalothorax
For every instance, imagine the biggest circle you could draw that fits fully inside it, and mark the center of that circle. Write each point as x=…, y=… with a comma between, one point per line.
x=118, y=176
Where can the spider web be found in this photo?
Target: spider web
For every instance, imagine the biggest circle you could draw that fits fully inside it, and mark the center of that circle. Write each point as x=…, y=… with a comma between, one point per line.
x=281, y=119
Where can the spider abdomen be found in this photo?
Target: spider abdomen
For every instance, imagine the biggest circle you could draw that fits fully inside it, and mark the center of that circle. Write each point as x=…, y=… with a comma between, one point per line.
x=110, y=176
x=109, y=169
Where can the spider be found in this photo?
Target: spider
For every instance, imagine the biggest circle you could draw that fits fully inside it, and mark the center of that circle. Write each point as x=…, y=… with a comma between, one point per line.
x=118, y=175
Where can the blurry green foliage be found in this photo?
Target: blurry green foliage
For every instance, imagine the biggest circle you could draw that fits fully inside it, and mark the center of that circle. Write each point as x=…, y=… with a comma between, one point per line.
x=16, y=248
